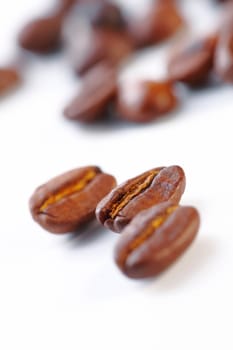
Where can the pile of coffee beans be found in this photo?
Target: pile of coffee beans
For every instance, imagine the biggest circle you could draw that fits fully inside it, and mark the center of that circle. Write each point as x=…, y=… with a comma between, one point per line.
x=100, y=37
x=155, y=229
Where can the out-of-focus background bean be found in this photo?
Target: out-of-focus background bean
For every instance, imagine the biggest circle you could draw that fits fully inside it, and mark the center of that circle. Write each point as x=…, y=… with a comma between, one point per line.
x=64, y=292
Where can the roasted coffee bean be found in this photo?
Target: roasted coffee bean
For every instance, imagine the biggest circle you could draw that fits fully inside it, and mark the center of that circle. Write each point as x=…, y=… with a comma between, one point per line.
x=9, y=79
x=192, y=62
x=155, y=238
x=42, y=35
x=98, y=90
x=158, y=185
x=145, y=101
x=69, y=200
x=101, y=45
x=102, y=14
x=161, y=22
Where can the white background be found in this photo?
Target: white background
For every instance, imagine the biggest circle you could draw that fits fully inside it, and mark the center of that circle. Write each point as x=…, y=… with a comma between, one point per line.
x=64, y=292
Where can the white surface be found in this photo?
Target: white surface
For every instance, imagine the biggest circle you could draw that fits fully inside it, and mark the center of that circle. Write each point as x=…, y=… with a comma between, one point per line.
x=61, y=292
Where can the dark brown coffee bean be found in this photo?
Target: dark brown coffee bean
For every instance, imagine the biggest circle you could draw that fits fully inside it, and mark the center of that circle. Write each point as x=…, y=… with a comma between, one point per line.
x=102, y=14
x=161, y=22
x=145, y=101
x=9, y=79
x=158, y=185
x=69, y=200
x=42, y=35
x=155, y=238
x=98, y=90
x=108, y=15
x=101, y=45
x=192, y=62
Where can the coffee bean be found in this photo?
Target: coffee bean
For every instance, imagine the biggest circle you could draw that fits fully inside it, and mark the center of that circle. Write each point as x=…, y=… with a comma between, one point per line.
x=9, y=79
x=155, y=238
x=41, y=35
x=102, y=14
x=98, y=89
x=161, y=22
x=192, y=62
x=100, y=45
x=69, y=200
x=158, y=185
x=145, y=101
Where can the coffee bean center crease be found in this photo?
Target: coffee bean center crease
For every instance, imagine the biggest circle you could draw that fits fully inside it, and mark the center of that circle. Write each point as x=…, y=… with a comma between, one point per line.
x=71, y=189
x=135, y=190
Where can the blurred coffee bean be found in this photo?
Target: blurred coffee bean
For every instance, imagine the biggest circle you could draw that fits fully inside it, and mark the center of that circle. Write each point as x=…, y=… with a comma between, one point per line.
x=98, y=90
x=161, y=22
x=43, y=35
x=192, y=62
x=100, y=45
x=102, y=14
x=145, y=101
x=9, y=79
